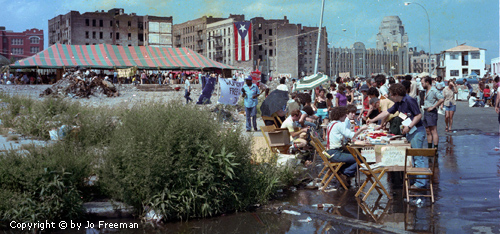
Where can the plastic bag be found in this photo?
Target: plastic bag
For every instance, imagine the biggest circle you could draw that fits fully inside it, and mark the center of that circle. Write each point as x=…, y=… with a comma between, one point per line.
x=441, y=111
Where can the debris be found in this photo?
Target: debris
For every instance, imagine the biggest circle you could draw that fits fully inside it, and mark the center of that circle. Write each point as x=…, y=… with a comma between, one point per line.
x=73, y=86
x=151, y=215
x=293, y=189
x=290, y=212
x=305, y=220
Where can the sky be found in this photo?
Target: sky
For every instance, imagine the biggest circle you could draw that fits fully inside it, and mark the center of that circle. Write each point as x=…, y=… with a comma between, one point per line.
x=452, y=22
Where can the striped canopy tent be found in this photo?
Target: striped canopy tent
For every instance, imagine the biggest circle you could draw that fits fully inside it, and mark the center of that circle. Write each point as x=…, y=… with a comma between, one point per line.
x=311, y=82
x=104, y=56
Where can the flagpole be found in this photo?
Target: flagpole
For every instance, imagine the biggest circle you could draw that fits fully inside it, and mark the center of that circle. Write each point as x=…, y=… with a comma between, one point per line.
x=317, y=45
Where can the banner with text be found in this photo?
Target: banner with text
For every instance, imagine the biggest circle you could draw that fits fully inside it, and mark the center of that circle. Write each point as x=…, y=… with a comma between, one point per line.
x=230, y=91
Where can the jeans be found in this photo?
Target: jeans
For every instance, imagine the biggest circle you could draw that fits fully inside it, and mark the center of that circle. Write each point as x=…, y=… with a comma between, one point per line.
x=186, y=95
x=478, y=104
x=416, y=140
x=350, y=166
x=251, y=113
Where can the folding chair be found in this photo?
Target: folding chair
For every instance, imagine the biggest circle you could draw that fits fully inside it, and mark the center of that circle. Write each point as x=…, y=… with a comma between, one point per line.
x=330, y=169
x=374, y=211
x=372, y=175
x=274, y=149
x=411, y=173
x=269, y=118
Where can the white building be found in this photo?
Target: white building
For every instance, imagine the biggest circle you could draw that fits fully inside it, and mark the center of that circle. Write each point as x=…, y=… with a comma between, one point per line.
x=462, y=61
x=495, y=66
x=220, y=44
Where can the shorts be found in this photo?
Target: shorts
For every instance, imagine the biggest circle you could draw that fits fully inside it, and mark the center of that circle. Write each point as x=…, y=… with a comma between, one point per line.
x=430, y=118
x=322, y=113
x=450, y=108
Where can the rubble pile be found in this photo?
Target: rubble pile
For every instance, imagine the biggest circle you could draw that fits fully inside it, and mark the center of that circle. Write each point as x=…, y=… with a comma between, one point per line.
x=73, y=85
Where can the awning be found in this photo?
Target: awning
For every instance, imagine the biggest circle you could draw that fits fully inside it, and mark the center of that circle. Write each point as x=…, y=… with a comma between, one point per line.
x=104, y=56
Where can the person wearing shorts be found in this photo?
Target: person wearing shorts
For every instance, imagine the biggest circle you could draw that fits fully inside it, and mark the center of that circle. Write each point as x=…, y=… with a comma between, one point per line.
x=449, y=104
x=432, y=100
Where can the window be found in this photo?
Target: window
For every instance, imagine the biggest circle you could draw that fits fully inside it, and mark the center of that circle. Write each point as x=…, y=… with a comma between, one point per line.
x=475, y=55
x=117, y=36
x=87, y=22
x=110, y=23
x=260, y=47
x=270, y=32
x=34, y=49
x=260, y=36
x=93, y=23
x=17, y=41
x=34, y=40
x=270, y=52
x=93, y=35
x=17, y=51
x=454, y=56
x=101, y=23
x=111, y=35
x=100, y=35
x=454, y=73
x=87, y=34
x=130, y=36
x=270, y=42
x=130, y=23
x=117, y=23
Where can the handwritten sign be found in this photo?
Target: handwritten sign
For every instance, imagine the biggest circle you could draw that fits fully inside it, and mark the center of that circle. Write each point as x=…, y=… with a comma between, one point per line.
x=394, y=155
x=369, y=154
x=230, y=91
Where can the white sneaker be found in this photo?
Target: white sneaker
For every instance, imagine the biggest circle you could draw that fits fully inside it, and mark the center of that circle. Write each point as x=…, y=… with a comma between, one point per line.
x=486, y=106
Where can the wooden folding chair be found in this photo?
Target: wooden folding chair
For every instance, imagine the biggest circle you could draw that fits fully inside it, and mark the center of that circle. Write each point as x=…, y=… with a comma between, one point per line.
x=411, y=173
x=372, y=175
x=376, y=216
x=330, y=169
x=274, y=149
x=269, y=118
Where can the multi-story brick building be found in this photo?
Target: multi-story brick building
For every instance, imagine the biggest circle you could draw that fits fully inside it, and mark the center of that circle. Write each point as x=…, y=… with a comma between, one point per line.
x=308, y=41
x=220, y=45
x=193, y=34
x=111, y=27
x=419, y=61
x=19, y=45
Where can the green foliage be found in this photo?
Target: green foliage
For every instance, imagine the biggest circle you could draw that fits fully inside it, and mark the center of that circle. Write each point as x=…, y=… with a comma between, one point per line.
x=183, y=164
x=177, y=159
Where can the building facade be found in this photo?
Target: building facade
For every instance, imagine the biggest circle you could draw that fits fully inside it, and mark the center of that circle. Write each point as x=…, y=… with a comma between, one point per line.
x=358, y=61
x=220, y=45
x=419, y=62
x=193, y=34
x=495, y=66
x=112, y=27
x=392, y=35
x=19, y=45
x=462, y=61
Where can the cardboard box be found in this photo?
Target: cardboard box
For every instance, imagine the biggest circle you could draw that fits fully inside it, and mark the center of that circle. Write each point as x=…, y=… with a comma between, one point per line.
x=279, y=137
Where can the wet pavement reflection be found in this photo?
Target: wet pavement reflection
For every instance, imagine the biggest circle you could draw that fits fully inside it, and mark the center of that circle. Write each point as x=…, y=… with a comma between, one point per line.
x=467, y=194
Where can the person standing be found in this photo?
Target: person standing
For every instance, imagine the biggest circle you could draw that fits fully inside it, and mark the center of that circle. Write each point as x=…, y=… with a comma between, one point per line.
x=449, y=104
x=115, y=77
x=340, y=97
x=440, y=84
x=187, y=90
x=250, y=92
x=432, y=100
x=415, y=131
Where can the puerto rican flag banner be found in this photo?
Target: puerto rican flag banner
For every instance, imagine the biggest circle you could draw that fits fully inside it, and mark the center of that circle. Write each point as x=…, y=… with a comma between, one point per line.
x=243, y=41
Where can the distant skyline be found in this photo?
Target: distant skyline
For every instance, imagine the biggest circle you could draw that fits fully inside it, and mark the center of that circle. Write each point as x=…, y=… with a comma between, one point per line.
x=453, y=22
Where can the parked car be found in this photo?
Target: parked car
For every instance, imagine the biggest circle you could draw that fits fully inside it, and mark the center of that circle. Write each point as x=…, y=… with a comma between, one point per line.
x=460, y=81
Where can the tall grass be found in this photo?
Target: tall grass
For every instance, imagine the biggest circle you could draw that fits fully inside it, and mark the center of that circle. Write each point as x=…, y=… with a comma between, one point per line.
x=178, y=160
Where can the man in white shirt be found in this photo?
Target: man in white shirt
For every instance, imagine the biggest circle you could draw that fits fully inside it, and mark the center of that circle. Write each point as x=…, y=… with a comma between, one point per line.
x=282, y=86
x=187, y=89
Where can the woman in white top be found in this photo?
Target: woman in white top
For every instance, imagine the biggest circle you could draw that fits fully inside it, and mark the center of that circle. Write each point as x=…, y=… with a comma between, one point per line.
x=336, y=133
x=449, y=104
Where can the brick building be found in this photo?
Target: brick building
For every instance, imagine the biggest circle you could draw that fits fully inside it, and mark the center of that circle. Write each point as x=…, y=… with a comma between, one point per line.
x=19, y=45
x=112, y=27
x=193, y=34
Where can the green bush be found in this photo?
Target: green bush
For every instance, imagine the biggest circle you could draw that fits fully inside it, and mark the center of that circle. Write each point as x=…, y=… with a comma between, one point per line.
x=182, y=162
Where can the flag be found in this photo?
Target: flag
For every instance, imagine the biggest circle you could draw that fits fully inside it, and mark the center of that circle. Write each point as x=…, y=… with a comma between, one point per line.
x=242, y=41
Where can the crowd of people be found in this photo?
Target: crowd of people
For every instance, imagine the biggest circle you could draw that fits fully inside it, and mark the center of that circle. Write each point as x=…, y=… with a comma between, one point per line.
x=387, y=102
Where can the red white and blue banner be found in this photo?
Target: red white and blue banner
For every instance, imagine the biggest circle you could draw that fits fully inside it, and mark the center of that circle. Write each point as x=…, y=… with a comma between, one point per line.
x=243, y=41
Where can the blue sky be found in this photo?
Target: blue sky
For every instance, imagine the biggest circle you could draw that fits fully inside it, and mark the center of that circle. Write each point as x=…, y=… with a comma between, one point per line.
x=475, y=22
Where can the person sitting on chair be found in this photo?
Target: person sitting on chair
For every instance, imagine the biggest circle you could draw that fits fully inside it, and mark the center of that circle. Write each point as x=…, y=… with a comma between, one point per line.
x=297, y=137
x=336, y=132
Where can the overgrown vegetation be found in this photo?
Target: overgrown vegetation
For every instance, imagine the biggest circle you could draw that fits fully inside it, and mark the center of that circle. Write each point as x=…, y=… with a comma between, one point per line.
x=178, y=160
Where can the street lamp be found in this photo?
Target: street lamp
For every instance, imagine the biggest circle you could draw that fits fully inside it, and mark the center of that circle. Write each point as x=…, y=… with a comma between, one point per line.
x=429, y=24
